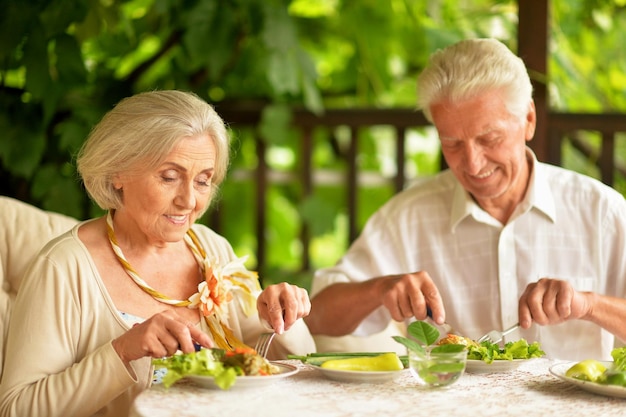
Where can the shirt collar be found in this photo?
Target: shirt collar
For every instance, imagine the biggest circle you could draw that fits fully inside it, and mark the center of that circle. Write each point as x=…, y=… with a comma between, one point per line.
x=538, y=196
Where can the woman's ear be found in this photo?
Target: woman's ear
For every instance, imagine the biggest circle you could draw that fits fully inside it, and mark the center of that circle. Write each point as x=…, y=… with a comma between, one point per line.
x=117, y=182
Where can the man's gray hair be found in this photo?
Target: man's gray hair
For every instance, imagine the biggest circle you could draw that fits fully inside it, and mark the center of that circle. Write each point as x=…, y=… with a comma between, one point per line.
x=471, y=67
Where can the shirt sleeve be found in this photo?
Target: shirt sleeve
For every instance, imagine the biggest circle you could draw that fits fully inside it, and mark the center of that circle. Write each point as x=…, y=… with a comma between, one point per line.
x=378, y=251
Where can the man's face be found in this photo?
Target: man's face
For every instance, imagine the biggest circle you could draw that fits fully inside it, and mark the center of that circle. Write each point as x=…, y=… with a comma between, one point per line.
x=485, y=147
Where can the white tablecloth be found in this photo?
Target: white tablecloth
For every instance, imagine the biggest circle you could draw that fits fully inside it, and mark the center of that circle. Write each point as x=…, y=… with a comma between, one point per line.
x=529, y=391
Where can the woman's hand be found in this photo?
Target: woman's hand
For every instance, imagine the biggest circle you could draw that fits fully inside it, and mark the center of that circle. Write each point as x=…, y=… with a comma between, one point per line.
x=281, y=305
x=161, y=335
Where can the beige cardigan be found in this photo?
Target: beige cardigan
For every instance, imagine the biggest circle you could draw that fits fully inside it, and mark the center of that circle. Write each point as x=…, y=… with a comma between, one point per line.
x=59, y=357
x=24, y=230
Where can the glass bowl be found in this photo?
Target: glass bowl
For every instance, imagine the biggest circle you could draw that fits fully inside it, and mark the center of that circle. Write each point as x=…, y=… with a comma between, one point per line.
x=437, y=369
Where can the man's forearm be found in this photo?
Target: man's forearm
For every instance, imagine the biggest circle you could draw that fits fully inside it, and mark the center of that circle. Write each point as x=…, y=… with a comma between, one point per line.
x=338, y=309
x=609, y=313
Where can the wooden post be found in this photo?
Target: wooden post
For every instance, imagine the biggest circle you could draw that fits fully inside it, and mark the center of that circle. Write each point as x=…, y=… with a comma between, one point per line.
x=533, y=41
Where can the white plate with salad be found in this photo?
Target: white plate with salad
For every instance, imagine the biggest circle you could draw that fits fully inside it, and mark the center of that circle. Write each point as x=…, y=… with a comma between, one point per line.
x=284, y=371
x=505, y=358
x=560, y=369
x=217, y=368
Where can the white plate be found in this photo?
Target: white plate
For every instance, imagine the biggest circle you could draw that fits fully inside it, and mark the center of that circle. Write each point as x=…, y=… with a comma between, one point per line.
x=372, y=377
x=285, y=370
x=476, y=366
x=560, y=369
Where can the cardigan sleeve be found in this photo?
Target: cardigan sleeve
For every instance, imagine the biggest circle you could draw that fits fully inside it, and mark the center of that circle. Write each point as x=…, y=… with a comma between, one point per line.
x=59, y=363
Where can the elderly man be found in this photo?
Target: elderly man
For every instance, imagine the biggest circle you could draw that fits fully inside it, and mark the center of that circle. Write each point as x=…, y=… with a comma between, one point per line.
x=496, y=239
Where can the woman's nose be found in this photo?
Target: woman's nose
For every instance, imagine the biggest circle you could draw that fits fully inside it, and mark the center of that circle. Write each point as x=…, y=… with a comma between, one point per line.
x=186, y=196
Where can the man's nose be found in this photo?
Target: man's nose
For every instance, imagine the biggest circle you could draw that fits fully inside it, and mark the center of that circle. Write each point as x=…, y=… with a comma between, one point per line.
x=473, y=157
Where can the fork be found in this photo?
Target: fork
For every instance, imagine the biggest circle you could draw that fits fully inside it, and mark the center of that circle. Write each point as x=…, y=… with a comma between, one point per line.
x=263, y=343
x=496, y=336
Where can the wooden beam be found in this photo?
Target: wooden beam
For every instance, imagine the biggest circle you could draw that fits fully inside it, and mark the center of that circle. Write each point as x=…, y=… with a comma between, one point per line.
x=533, y=41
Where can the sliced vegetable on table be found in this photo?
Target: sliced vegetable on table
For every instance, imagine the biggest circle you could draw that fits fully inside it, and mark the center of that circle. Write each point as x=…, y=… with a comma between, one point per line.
x=385, y=362
x=587, y=370
x=354, y=361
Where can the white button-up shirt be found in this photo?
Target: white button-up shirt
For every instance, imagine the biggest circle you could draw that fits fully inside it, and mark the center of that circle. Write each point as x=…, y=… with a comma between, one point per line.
x=568, y=226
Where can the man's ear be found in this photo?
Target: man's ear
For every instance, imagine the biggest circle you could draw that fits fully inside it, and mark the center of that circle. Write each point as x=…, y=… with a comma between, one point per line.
x=531, y=121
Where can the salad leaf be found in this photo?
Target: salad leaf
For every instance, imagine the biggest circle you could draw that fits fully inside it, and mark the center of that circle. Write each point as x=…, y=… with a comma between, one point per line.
x=425, y=334
x=619, y=359
x=409, y=344
x=520, y=349
x=204, y=362
x=610, y=377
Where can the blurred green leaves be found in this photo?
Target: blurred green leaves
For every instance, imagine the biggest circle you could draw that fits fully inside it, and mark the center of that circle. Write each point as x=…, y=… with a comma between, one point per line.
x=275, y=126
x=64, y=63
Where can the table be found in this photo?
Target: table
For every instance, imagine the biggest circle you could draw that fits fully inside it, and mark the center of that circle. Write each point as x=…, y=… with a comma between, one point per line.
x=529, y=390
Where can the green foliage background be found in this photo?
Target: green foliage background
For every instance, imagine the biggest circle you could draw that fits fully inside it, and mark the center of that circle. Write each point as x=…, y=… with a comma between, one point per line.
x=64, y=63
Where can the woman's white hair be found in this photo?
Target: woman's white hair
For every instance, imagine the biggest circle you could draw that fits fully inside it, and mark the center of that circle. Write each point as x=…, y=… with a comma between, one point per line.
x=471, y=67
x=138, y=134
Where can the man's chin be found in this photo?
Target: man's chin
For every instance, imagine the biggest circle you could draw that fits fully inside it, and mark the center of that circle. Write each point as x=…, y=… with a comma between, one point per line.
x=485, y=194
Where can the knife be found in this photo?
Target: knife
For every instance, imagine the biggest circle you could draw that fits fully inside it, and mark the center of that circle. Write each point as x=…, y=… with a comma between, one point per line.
x=444, y=328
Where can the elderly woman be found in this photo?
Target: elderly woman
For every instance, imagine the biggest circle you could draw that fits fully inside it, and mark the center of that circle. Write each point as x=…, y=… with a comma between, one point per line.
x=144, y=281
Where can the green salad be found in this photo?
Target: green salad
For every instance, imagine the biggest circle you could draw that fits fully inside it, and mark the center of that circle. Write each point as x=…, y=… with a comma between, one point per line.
x=595, y=371
x=424, y=333
x=489, y=352
x=206, y=362
x=222, y=365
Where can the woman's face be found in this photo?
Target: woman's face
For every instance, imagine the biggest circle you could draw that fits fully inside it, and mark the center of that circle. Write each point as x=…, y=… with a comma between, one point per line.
x=162, y=204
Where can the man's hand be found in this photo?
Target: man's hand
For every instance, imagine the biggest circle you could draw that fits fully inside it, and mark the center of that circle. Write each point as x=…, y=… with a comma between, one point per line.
x=410, y=295
x=551, y=301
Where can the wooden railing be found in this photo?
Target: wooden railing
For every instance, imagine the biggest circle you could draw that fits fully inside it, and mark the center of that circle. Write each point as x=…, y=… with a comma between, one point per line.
x=560, y=126
x=609, y=125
